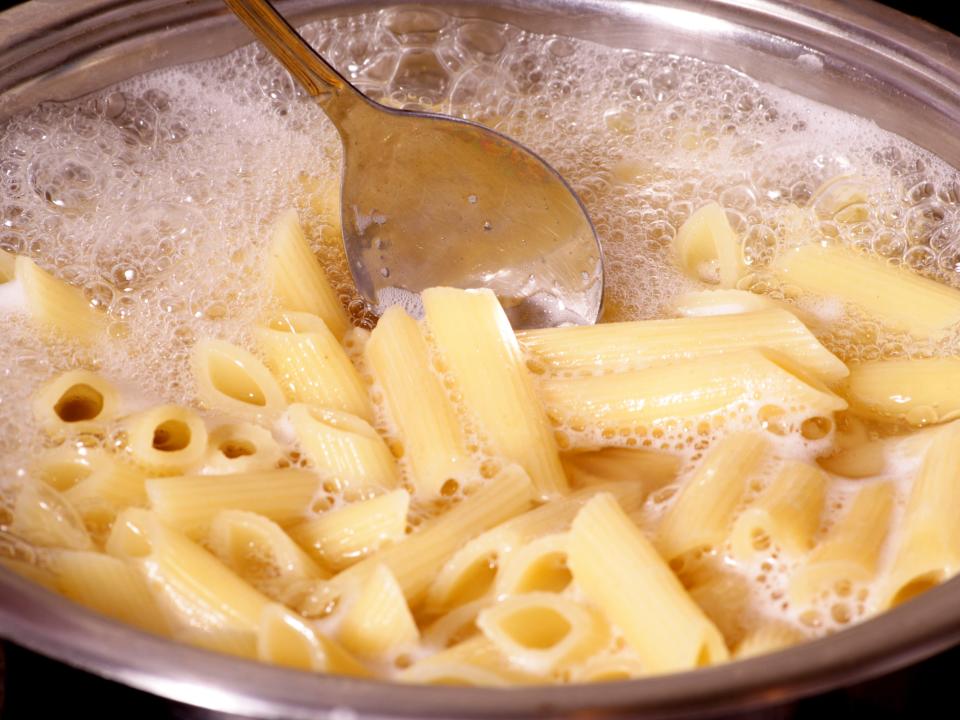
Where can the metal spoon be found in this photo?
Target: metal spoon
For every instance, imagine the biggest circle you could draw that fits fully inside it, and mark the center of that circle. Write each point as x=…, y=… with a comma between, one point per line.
x=433, y=200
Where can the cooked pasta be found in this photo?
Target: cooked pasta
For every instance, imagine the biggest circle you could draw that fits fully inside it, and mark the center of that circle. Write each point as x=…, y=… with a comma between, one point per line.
x=76, y=401
x=232, y=381
x=166, y=440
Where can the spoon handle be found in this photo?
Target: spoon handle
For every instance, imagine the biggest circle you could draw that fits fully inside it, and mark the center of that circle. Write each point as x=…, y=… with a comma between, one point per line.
x=293, y=52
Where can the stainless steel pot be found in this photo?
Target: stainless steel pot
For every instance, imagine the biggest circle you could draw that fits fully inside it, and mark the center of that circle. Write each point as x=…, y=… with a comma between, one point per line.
x=858, y=56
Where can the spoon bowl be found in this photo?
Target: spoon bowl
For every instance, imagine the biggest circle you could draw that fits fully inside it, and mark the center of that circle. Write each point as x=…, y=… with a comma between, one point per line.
x=430, y=200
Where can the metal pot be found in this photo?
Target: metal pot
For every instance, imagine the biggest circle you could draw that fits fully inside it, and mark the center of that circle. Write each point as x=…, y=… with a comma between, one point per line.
x=855, y=55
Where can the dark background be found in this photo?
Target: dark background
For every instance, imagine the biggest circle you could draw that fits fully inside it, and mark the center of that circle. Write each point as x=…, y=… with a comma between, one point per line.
x=32, y=687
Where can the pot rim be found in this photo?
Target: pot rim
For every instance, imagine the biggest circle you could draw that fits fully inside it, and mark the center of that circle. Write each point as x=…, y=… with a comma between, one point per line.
x=49, y=624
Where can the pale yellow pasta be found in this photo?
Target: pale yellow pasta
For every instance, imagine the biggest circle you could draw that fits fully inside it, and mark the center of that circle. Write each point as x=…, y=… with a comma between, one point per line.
x=928, y=541
x=166, y=440
x=707, y=247
x=310, y=365
x=341, y=537
x=419, y=410
x=190, y=502
x=8, y=262
x=239, y=448
x=618, y=464
x=702, y=512
x=481, y=353
x=258, y=550
x=608, y=667
x=111, y=586
x=56, y=306
x=377, y=624
x=919, y=392
x=896, y=296
x=472, y=663
x=232, y=381
x=713, y=303
x=296, y=278
x=35, y=574
x=194, y=588
x=343, y=448
x=43, y=517
x=616, y=347
x=722, y=595
x=621, y=573
x=786, y=516
x=416, y=560
x=286, y=639
x=76, y=401
x=541, y=631
x=537, y=566
x=851, y=549
x=768, y=638
x=471, y=571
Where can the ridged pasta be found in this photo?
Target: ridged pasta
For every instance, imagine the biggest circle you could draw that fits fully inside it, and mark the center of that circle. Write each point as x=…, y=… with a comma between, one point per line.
x=377, y=623
x=287, y=640
x=310, y=365
x=232, y=381
x=56, y=306
x=920, y=392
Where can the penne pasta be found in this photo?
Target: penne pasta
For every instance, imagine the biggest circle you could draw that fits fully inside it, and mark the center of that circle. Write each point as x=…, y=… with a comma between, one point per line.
x=377, y=623
x=851, y=549
x=110, y=586
x=76, y=401
x=707, y=248
x=684, y=390
x=56, y=306
x=341, y=537
x=232, y=381
x=287, y=640
x=928, y=547
x=166, y=440
x=481, y=354
x=420, y=412
x=768, y=638
x=45, y=518
x=619, y=347
x=8, y=263
x=897, y=297
x=189, y=503
x=472, y=663
x=785, y=517
x=310, y=364
x=701, y=514
x=240, y=448
x=296, y=278
x=616, y=464
x=621, y=573
x=919, y=392
x=344, y=448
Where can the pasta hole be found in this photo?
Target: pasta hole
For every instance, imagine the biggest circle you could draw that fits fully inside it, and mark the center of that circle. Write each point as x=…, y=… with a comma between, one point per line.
x=79, y=403
x=232, y=379
x=171, y=436
x=449, y=488
x=233, y=449
x=915, y=587
x=549, y=574
x=536, y=628
x=816, y=428
x=474, y=581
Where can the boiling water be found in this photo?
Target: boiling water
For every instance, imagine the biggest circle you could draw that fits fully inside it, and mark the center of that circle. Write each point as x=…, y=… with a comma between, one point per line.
x=155, y=196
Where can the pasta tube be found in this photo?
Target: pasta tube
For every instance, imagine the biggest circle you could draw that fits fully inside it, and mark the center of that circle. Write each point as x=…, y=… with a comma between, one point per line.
x=8, y=263
x=850, y=551
x=377, y=623
x=343, y=536
x=900, y=298
x=707, y=247
x=240, y=448
x=76, y=401
x=785, y=516
x=616, y=347
x=232, y=381
x=297, y=280
x=475, y=342
x=56, y=306
x=42, y=516
x=166, y=440
x=928, y=551
x=701, y=514
x=685, y=389
x=310, y=364
x=920, y=392
x=344, y=447
x=619, y=571
x=190, y=502
x=425, y=421
x=286, y=639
